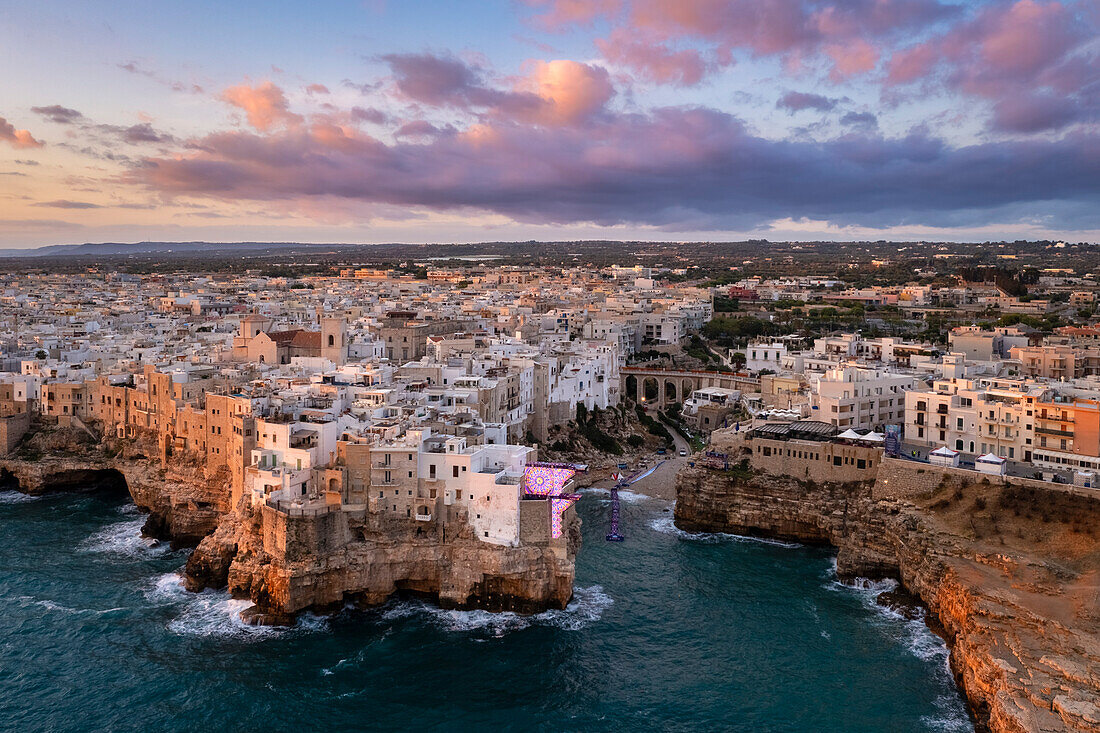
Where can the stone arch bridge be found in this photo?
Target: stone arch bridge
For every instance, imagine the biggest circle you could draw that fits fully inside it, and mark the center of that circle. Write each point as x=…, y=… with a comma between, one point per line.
x=666, y=386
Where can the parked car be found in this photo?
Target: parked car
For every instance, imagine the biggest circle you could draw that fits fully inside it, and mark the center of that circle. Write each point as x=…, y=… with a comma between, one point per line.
x=683, y=452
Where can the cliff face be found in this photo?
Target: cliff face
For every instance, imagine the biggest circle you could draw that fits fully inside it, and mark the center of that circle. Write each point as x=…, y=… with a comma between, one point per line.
x=1012, y=572
x=286, y=564
x=184, y=501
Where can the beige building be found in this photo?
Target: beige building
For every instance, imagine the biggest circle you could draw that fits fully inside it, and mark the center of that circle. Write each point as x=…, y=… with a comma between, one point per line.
x=851, y=396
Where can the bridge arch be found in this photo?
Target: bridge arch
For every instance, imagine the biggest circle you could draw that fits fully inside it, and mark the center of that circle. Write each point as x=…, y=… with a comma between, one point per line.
x=650, y=389
x=687, y=386
x=670, y=391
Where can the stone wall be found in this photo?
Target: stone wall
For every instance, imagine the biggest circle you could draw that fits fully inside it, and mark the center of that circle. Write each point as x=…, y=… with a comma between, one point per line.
x=293, y=538
x=817, y=460
x=12, y=430
x=534, y=521
x=902, y=479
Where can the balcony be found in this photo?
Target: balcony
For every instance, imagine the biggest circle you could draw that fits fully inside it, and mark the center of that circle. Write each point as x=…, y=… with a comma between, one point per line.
x=1051, y=431
x=423, y=517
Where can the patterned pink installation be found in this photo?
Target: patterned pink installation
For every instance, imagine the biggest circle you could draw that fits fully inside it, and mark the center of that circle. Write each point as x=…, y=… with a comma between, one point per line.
x=549, y=480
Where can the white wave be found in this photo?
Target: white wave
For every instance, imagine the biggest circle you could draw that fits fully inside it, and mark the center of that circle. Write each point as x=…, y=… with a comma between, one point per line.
x=666, y=525
x=213, y=613
x=587, y=607
x=166, y=588
x=326, y=671
x=625, y=495
x=16, y=497
x=911, y=630
x=59, y=608
x=123, y=538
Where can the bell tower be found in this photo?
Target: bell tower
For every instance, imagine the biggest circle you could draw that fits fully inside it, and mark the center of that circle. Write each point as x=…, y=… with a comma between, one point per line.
x=334, y=340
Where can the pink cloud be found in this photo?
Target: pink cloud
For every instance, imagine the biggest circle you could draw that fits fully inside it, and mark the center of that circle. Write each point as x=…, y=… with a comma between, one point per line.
x=559, y=92
x=654, y=62
x=560, y=14
x=17, y=138
x=1016, y=54
x=265, y=105
x=569, y=91
x=848, y=31
x=912, y=64
x=852, y=58
x=683, y=167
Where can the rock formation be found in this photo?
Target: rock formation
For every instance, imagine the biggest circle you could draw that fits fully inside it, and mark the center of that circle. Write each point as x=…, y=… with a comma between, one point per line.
x=287, y=563
x=1010, y=570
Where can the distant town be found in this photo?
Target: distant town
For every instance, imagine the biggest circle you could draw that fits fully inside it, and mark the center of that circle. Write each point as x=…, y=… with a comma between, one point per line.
x=979, y=349
x=336, y=426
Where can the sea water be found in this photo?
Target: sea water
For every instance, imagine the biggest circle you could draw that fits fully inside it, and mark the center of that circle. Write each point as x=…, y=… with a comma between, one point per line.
x=667, y=631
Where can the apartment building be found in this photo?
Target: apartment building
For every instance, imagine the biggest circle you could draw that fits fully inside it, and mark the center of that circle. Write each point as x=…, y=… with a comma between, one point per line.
x=850, y=396
x=976, y=416
x=1067, y=434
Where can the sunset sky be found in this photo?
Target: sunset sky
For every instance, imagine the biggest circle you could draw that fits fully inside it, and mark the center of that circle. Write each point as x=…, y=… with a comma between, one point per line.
x=376, y=121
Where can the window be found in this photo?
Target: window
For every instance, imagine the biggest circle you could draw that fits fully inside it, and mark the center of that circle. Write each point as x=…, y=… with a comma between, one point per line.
x=454, y=471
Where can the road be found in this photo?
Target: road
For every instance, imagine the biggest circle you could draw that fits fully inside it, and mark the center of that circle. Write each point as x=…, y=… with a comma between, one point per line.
x=662, y=482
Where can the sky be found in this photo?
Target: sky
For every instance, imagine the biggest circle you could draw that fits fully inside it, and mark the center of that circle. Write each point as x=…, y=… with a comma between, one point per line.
x=425, y=121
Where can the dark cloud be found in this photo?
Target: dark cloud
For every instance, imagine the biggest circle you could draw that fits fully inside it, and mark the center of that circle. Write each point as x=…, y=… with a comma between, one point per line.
x=57, y=113
x=798, y=101
x=559, y=92
x=864, y=120
x=690, y=168
x=418, y=128
x=369, y=114
x=66, y=204
x=440, y=80
x=140, y=133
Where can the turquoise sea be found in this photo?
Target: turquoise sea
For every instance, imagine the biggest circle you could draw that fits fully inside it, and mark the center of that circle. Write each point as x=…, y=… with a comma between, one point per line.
x=668, y=632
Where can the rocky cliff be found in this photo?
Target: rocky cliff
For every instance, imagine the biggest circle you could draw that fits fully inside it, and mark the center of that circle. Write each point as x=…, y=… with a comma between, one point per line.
x=1010, y=570
x=286, y=564
x=184, y=502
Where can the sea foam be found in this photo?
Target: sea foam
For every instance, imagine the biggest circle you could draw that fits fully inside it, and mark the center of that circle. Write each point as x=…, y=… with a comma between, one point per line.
x=123, y=538
x=666, y=525
x=587, y=606
x=16, y=497
x=912, y=631
x=215, y=614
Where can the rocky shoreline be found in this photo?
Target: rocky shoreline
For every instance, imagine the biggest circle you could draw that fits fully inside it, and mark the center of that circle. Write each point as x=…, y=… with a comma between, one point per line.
x=287, y=564
x=1009, y=571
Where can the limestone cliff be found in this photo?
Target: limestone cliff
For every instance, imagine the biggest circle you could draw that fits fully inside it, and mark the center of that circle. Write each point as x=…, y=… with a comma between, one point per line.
x=287, y=564
x=183, y=501
x=1011, y=571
